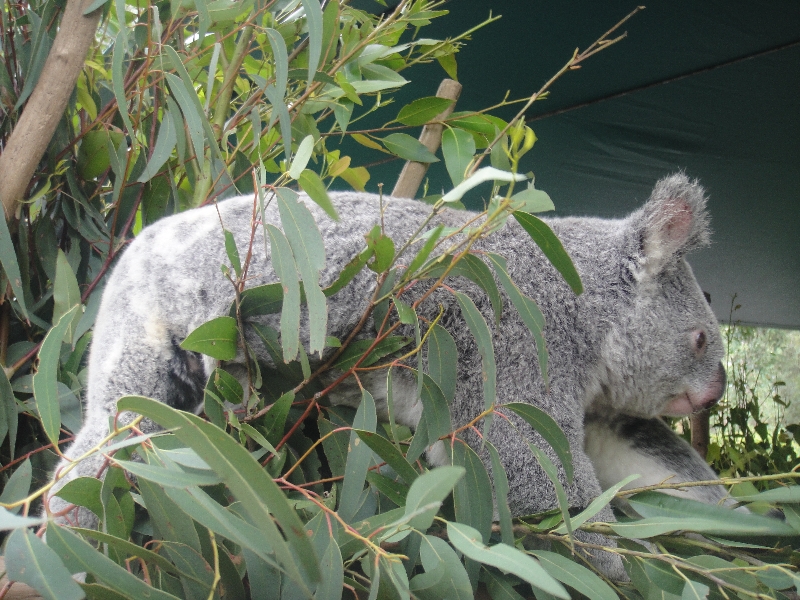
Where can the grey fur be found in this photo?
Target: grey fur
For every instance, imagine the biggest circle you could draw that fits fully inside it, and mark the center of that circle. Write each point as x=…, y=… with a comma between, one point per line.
x=620, y=445
x=628, y=343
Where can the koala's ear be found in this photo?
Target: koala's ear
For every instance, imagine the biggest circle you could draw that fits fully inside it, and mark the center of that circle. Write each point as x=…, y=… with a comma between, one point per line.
x=672, y=222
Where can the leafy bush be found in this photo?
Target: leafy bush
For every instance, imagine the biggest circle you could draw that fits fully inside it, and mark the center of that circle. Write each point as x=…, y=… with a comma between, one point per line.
x=755, y=427
x=283, y=497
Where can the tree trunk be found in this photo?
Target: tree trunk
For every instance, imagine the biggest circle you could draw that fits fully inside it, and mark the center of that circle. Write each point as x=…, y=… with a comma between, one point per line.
x=46, y=105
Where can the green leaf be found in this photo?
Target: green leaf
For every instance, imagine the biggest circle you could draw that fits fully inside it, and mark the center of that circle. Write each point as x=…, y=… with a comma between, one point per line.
x=481, y=123
x=444, y=575
x=532, y=200
x=8, y=258
x=30, y=561
x=596, y=505
x=527, y=309
x=218, y=338
x=789, y=494
x=382, y=247
x=359, y=458
x=395, y=491
x=301, y=157
x=544, y=237
x=309, y=254
x=500, y=588
x=129, y=548
x=388, y=345
x=9, y=520
x=472, y=496
x=78, y=555
x=261, y=498
x=332, y=569
x=117, y=80
x=83, y=491
x=552, y=474
x=170, y=523
x=335, y=446
x=206, y=511
x=443, y=360
x=314, y=23
x=574, y=575
x=221, y=387
x=285, y=267
x=408, y=148
x=501, y=489
x=664, y=513
x=449, y=64
x=281, y=113
x=430, y=242
x=467, y=540
x=233, y=252
x=281, y=60
x=275, y=419
x=548, y=429
x=313, y=186
x=190, y=114
x=166, y=141
x=8, y=413
x=483, y=338
x=260, y=300
x=93, y=158
x=458, y=149
x=389, y=453
x=435, y=415
x=405, y=312
x=474, y=269
x=422, y=110
x=693, y=590
x=429, y=490
x=349, y=272
x=45, y=383
x=18, y=485
x=168, y=477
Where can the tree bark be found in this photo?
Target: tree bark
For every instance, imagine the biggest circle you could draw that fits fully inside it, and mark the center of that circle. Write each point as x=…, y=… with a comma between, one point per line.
x=701, y=432
x=46, y=105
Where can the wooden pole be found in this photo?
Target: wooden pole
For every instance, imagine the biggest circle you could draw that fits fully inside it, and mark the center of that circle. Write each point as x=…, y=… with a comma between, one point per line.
x=701, y=432
x=431, y=137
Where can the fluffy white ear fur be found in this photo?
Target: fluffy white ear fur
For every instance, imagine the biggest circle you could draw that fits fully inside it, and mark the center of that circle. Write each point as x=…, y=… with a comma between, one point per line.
x=673, y=222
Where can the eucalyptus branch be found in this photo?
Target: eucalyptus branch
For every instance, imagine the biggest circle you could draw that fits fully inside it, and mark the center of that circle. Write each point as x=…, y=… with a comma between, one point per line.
x=573, y=63
x=708, y=482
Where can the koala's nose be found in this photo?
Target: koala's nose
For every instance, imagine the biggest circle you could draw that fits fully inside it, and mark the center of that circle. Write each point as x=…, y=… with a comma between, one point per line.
x=699, y=341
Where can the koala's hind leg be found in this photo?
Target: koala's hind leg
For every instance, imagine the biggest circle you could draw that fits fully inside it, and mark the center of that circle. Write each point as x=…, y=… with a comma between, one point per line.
x=128, y=359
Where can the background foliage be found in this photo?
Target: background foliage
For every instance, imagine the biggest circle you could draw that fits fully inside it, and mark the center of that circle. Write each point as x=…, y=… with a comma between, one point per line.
x=183, y=103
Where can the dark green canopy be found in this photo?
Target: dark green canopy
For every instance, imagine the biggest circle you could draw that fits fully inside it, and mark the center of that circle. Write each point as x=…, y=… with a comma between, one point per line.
x=710, y=87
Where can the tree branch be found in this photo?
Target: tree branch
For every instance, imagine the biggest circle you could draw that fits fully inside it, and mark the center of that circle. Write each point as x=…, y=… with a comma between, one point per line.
x=43, y=111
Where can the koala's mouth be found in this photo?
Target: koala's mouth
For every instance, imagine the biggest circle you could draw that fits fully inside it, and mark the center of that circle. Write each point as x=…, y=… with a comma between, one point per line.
x=680, y=406
x=692, y=401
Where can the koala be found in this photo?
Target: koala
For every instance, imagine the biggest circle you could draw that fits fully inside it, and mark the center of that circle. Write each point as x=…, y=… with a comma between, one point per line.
x=640, y=339
x=620, y=445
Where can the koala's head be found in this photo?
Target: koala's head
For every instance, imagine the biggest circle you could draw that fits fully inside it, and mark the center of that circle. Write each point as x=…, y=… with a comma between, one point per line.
x=662, y=354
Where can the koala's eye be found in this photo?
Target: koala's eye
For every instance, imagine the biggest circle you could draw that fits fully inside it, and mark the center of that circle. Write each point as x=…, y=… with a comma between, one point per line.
x=699, y=341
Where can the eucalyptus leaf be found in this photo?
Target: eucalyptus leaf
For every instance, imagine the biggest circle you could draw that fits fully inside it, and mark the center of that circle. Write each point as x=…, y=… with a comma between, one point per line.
x=29, y=560
x=422, y=110
x=218, y=338
x=468, y=541
x=45, y=385
x=408, y=148
x=359, y=457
